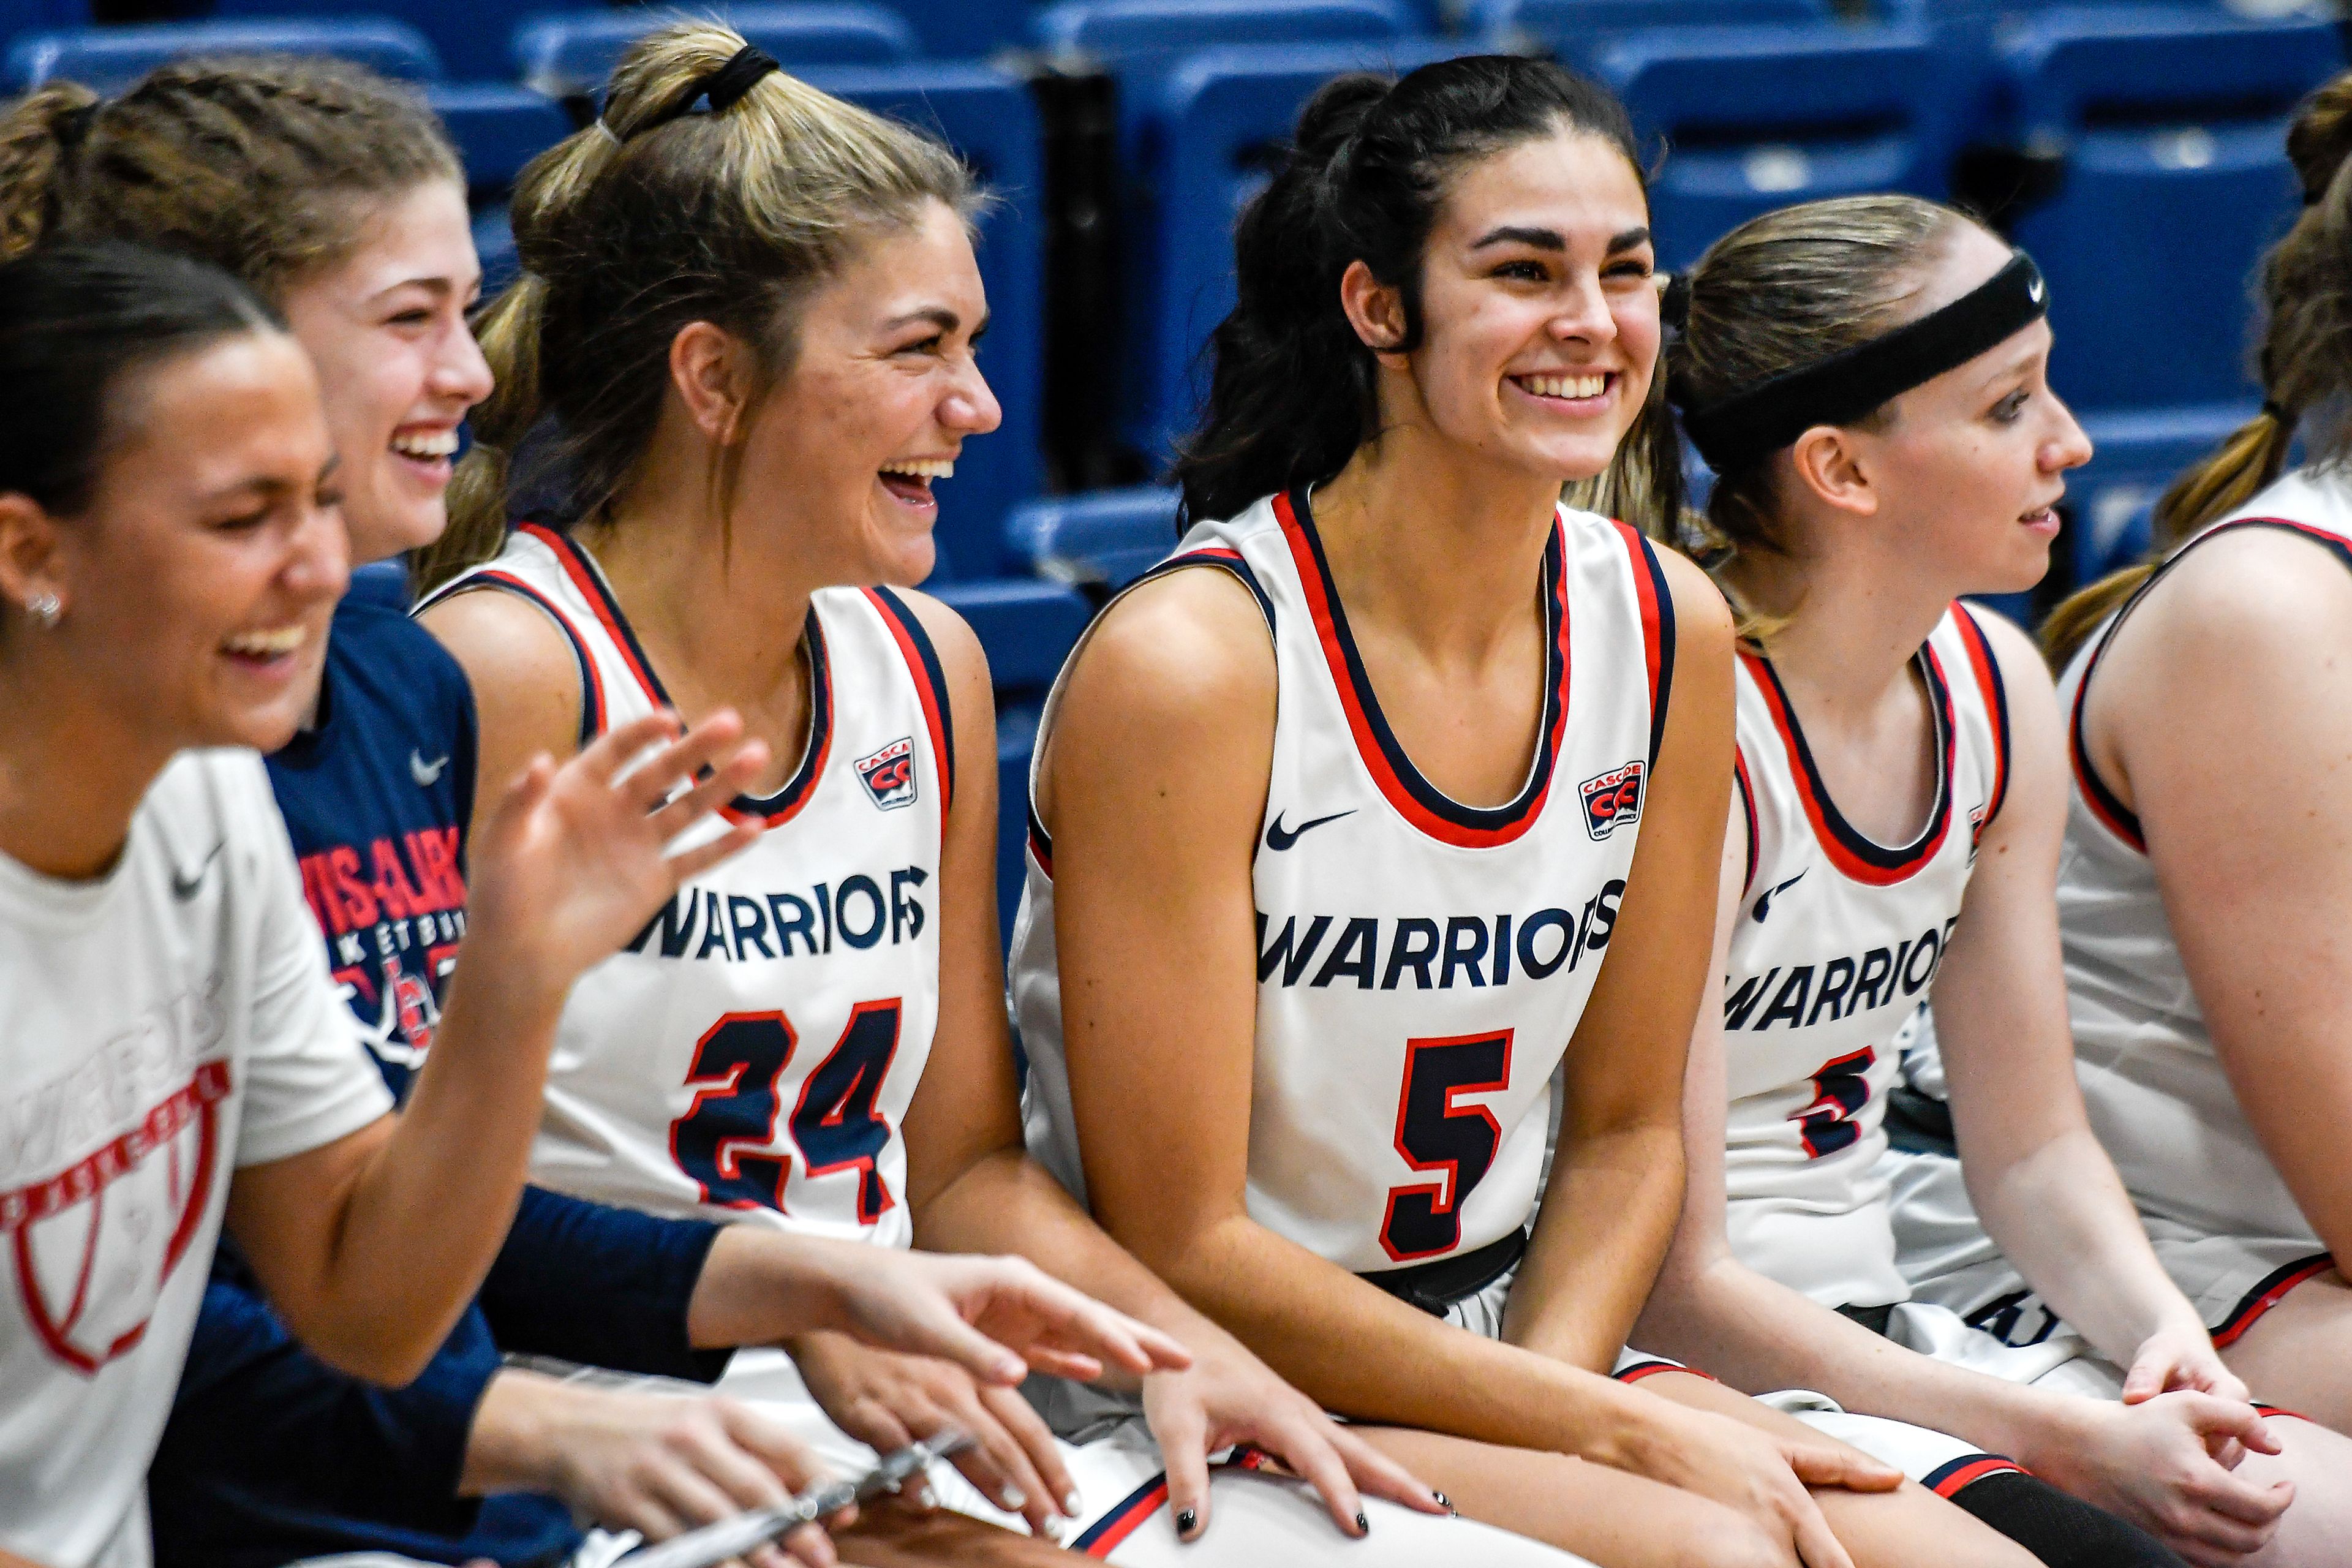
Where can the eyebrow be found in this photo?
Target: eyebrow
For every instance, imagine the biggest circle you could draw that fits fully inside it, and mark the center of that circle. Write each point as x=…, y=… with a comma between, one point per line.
x=1553, y=240
x=940, y=316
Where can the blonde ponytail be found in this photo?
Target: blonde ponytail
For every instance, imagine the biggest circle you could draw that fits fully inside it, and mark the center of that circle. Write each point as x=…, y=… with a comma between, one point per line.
x=38, y=137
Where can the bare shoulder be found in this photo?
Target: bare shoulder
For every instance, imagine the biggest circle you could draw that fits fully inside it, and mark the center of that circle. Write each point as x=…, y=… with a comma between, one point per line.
x=525, y=675
x=1190, y=648
x=1702, y=623
x=2251, y=587
x=961, y=657
x=2014, y=654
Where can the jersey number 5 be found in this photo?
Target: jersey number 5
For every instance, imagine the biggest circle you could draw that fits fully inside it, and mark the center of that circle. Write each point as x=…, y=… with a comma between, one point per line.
x=727, y=1139
x=1434, y=1135
x=1840, y=1091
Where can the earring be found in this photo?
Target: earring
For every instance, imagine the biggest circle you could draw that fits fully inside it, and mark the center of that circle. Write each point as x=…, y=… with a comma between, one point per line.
x=45, y=607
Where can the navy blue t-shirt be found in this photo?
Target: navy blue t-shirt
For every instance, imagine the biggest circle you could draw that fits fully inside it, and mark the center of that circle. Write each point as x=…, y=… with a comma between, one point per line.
x=270, y=1455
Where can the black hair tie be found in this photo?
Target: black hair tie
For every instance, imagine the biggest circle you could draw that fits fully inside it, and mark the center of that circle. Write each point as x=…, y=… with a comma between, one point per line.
x=1674, y=304
x=728, y=84
x=72, y=127
x=2278, y=415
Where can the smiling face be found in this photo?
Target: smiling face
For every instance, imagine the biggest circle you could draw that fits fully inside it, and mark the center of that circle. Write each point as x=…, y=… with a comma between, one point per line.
x=1970, y=466
x=199, y=581
x=397, y=364
x=1541, y=324
x=875, y=407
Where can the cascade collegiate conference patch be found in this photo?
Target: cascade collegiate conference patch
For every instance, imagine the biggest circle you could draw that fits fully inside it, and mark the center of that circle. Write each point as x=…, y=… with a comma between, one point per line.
x=888, y=775
x=1612, y=801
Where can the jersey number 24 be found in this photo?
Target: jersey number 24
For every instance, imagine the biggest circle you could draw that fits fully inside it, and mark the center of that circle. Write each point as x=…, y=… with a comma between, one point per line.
x=727, y=1140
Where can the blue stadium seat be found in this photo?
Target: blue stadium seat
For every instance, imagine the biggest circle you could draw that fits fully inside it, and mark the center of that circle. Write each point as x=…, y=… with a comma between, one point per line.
x=1202, y=154
x=498, y=128
x=574, y=51
x=110, y=58
x=989, y=119
x=494, y=243
x=2137, y=455
x=1125, y=30
x=2171, y=130
x=26, y=16
x=1110, y=537
x=1758, y=118
x=1575, y=31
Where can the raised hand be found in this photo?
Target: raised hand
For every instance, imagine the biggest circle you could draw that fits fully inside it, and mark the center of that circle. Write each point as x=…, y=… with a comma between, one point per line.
x=1229, y=1397
x=575, y=860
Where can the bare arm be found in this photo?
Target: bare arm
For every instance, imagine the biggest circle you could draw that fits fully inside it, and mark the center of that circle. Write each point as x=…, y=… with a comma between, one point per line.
x=2045, y=1189
x=1617, y=1179
x=2234, y=678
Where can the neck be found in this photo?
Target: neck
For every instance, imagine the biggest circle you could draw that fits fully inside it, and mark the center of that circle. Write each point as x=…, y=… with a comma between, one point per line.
x=1440, y=548
x=1854, y=620
x=71, y=773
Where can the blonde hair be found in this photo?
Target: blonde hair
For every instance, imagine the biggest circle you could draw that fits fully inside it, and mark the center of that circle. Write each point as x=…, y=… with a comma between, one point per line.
x=265, y=167
x=2305, y=364
x=654, y=218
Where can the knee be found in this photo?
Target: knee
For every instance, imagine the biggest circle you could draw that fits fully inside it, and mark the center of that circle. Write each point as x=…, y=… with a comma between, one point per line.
x=1715, y=1537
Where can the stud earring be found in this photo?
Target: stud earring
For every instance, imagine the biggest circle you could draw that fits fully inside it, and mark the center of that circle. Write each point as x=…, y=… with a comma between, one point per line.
x=45, y=607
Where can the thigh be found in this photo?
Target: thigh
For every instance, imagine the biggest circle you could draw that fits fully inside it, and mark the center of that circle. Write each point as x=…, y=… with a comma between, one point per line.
x=2298, y=1351
x=1612, y=1517
x=1909, y=1525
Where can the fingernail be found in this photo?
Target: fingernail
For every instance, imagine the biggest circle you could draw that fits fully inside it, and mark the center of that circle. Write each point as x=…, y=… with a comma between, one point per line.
x=1187, y=1522
x=926, y=1499
x=1013, y=1498
x=1363, y=1525
x=1443, y=1501
x=1074, y=1504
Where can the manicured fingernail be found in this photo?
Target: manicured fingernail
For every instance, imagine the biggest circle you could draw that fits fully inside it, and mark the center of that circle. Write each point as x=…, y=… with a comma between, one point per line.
x=1187, y=1522
x=926, y=1499
x=1363, y=1525
x=1443, y=1501
x=1073, y=1504
x=1013, y=1498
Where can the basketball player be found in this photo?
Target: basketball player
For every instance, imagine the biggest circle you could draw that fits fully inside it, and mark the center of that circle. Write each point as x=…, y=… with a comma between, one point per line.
x=336, y=197
x=1389, y=797
x=753, y=328
x=172, y=1050
x=1866, y=375
x=2202, y=905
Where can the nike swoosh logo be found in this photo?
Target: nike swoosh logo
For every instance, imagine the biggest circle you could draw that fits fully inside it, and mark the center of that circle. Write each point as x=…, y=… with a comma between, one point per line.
x=426, y=774
x=184, y=888
x=1764, y=904
x=1279, y=838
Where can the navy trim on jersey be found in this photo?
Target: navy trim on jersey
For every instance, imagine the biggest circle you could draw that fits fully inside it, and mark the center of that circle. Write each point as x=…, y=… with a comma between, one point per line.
x=1658, y=616
x=1996, y=696
x=1862, y=859
x=2268, y=1292
x=774, y=810
x=1041, y=843
x=2119, y=818
x=931, y=682
x=1748, y=812
x=1418, y=801
x=1948, y=1481
x=592, y=685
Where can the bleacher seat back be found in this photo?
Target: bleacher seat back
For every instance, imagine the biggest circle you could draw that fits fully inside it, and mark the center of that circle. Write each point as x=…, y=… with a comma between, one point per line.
x=991, y=120
x=575, y=51
x=109, y=59
x=498, y=128
x=1121, y=30
x=1575, y=31
x=31, y=16
x=1760, y=118
x=2174, y=178
x=1210, y=142
x=1104, y=538
x=2136, y=455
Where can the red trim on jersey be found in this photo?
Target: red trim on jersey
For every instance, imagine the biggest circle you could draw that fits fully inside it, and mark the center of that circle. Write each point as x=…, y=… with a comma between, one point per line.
x=591, y=680
x=590, y=585
x=1996, y=702
x=2268, y=1292
x=1951, y=1479
x=1748, y=811
x=922, y=664
x=1416, y=800
x=1641, y=1369
x=1856, y=856
x=1122, y=1519
x=1656, y=602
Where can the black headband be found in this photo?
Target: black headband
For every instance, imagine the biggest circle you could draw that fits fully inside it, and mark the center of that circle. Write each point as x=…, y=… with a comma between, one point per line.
x=729, y=82
x=1841, y=389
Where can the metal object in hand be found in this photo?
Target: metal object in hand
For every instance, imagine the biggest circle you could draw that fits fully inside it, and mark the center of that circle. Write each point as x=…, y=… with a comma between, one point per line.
x=731, y=1538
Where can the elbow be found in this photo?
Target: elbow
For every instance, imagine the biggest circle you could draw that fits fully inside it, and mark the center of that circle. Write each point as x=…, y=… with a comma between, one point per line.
x=373, y=1349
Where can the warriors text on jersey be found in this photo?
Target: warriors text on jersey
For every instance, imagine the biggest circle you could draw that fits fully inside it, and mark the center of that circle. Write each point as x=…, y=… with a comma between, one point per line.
x=1421, y=965
x=164, y=1024
x=2157, y=1095
x=752, y=1052
x=1836, y=943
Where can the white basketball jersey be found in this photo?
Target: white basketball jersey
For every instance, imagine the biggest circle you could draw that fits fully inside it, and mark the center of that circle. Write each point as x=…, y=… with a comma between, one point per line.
x=2158, y=1097
x=1421, y=965
x=1837, y=942
x=751, y=1054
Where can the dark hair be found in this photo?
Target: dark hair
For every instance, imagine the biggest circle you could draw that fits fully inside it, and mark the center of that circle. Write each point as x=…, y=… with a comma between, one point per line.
x=653, y=218
x=1292, y=391
x=2305, y=362
x=75, y=322
x=264, y=167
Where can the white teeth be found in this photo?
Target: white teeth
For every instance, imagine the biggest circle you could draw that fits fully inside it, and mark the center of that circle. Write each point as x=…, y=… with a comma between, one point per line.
x=923, y=468
x=1564, y=385
x=425, y=446
x=284, y=639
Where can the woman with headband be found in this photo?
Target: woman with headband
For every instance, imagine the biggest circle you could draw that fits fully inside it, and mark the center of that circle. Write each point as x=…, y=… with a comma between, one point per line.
x=2206, y=888
x=1867, y=377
